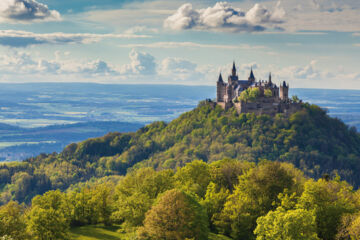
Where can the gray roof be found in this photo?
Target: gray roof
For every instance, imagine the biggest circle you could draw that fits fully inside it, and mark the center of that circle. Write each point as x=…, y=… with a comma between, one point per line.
x=242, y=82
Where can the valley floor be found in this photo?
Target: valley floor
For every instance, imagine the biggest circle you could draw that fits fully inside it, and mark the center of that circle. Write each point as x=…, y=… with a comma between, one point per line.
x=96, y=232
x=100, y=232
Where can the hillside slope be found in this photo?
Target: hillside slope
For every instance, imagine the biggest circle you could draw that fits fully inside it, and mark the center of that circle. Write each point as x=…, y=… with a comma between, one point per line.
x=309, y=139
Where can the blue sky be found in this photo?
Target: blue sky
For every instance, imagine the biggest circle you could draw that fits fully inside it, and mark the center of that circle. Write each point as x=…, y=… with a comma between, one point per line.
x=309, y=43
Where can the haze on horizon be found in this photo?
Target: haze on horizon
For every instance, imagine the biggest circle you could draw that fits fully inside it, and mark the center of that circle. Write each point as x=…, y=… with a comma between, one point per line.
x=309, y=43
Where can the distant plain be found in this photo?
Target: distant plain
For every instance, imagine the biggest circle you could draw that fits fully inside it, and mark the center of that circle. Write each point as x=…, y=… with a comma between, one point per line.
x=45, y=117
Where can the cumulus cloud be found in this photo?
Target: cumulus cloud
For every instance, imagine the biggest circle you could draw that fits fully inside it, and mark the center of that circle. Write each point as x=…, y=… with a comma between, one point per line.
x=14, y=38
x=25, y=11
x=222, y=16
x=140, y=63
x=178, y=69
x=18, y=62
x=310, y=75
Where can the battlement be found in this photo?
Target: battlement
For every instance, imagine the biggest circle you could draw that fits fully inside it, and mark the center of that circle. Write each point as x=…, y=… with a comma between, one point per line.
x=251, y=96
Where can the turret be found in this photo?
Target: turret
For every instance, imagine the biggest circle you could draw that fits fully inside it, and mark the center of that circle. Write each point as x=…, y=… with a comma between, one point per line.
x=284, y=91
x=270, y=83
x=233, y=70
x=220, y=89
x=220, y=78
x=251, y=77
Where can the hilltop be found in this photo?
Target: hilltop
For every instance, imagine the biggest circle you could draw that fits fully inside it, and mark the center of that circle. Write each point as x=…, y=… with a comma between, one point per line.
x=309, y=139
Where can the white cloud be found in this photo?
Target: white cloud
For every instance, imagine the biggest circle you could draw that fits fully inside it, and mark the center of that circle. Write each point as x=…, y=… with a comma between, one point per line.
x=140, y=63
x=322, y=15
x=222, y=16
x=190, y=45
x=179, y=69
x=18, y=63
x=141, y=29
x=14, y=38
x=22, y=66
x=177, y=65
x=24, y=11
x=310, y=75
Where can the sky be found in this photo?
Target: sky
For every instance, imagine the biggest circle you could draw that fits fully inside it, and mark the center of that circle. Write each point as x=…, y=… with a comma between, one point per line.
x=308, y=43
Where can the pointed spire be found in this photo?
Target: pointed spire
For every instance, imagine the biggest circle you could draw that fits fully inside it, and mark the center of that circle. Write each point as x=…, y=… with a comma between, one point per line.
x=220, y=78
x=270, y=78
x=251, y=77
x=234, y=69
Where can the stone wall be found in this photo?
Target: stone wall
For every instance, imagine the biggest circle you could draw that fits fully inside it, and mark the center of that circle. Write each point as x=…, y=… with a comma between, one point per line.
x=269, y=106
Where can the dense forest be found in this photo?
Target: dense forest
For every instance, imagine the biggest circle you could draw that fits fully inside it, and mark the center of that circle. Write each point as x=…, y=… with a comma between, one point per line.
x=226, y=199
x=309, y=139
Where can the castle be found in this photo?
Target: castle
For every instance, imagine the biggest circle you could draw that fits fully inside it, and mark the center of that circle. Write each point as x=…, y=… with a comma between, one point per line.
x=251, y=96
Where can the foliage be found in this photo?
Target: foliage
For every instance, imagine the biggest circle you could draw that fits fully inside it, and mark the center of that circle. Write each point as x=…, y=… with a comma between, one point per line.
x=237, y=199
x=233, y=173
x=176, y=215
x=309, y=139
x=194, y=177
x=136, y=193
x=250, y=94
x=330, y=201
x=47, y=219
x=268, y=93
x=296, y=224
x=47, y=224
x=295, y=98
x=12, y=223
x=253, y=197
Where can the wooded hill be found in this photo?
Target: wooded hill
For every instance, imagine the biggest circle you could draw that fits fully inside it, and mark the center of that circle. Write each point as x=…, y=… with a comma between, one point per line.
x=309, y=139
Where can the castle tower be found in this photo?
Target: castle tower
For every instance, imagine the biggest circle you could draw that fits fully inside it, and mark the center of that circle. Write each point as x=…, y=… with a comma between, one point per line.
x=228, y=97
x=233, y=77
x=220, y=89
x=284, y=91
x=233, y=72
x=270, y=83
x=251, y=77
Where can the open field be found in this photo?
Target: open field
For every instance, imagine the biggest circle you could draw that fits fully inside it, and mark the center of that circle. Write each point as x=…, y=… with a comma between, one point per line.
x=99, y=232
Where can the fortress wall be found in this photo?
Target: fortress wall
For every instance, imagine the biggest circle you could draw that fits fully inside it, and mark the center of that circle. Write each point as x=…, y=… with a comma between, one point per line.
x=225, y=105
x=269, y=106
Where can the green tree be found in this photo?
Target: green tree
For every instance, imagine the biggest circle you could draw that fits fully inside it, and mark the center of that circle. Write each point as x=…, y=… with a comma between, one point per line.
x=175, y=216
x=194, y=177
x=48, y=218
x=330, y=201
x=12, y=221
x=295, y=98
x=45, y=224
x=226, y=172
x=214, y=201
x=91, y=205
x=104, y=199
x=350, y=227
x=268, y=93
x=254, y=196
x=135, y=194
x=250, y=94
x=298, y=224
